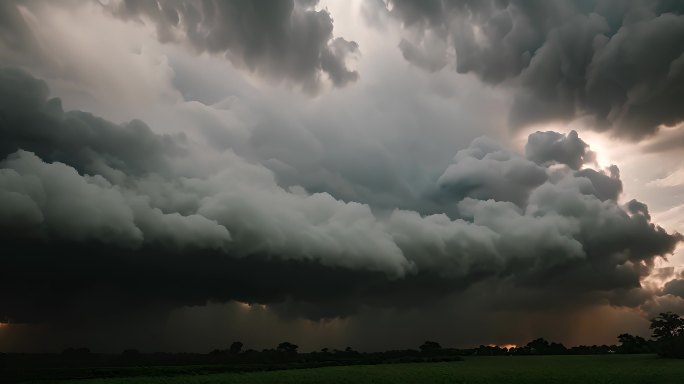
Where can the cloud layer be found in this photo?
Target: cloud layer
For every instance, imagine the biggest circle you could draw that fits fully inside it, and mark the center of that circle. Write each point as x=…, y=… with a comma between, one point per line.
x=283, y=40
x=543, y=222
x=619, y=63
x=186, y=169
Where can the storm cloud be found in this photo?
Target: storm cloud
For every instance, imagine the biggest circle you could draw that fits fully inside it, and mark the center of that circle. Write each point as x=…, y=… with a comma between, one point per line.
x=675, y=287
x=35, y=122
x=552, y=147
x=172, y=169
x=619, y=63
x=236, y=234
x=282, y=39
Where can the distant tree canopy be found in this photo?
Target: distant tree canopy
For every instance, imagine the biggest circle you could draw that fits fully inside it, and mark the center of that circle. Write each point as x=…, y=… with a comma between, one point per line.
x=667, y=341
x=491, y=350
x=235, y=347
x=430, y=347
x=633, y=344
x=541, y=346
x=287, y=347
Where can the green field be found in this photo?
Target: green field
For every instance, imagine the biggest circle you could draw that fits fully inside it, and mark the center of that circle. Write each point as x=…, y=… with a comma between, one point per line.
x=619, y=369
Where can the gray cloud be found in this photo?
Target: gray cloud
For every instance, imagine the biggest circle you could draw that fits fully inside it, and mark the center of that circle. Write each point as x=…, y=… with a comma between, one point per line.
x=637, y=207
x=619, y=63
x=485, y=171
x=130, y=238
x=282, y=40
x=56, y=201
x=675, y=287
x=605, y=185
x=307, y=143
x=426, y=55
x=33, y=121
x=553, y=147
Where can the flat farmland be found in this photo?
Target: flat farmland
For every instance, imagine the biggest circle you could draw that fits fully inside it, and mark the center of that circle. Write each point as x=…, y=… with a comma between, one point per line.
x=618, y=369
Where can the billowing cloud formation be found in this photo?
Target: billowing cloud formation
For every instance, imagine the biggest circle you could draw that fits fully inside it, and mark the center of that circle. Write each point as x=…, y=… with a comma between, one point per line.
x=284, y=39
x=54, y=200
x=486, y=171
x=675, y=287
x=621, y=63
x=84, y=141
x=553, y=147
x=87, y=228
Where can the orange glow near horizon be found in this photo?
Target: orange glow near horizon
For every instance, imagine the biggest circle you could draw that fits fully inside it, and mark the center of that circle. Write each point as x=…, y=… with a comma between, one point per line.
x=507, y=346
x=250, y=305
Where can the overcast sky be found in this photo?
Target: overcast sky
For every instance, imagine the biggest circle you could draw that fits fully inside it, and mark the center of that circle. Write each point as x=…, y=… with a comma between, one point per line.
x=177, y=175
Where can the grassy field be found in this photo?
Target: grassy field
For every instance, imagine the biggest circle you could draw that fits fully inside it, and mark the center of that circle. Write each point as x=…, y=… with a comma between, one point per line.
x=619, y=369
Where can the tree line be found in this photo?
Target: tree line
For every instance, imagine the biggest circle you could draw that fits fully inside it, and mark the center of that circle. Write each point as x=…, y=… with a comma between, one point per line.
x=667, y=341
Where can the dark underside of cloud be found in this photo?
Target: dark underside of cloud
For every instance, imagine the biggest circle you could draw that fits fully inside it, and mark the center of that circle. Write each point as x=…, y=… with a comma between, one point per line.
x=675, y=286
x=621, y=63
x=283, y=39
x=98, y=218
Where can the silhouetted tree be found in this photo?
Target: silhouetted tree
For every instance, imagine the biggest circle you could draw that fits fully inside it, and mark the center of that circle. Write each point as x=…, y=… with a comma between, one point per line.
x=556, y=349
x=541, y=346
x=668, y=329
x=235, y=348
x=632, y=344
x=350, y=352
x=430, y=347
x=538, y=346
x=287, y=347
x=490, y=350
x=667, y=325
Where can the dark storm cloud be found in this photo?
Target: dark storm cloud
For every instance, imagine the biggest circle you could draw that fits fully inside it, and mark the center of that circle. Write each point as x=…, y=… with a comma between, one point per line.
x=283, y=39
x=620, y=63
x=675, y=287
x=32, y=121
x=135, y=232
x=553, y=147
x=637, y=207
x=485, y=171
x=606, y=185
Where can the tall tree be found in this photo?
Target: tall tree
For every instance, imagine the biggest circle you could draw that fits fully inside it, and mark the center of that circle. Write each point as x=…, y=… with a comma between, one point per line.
x=667, y=326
